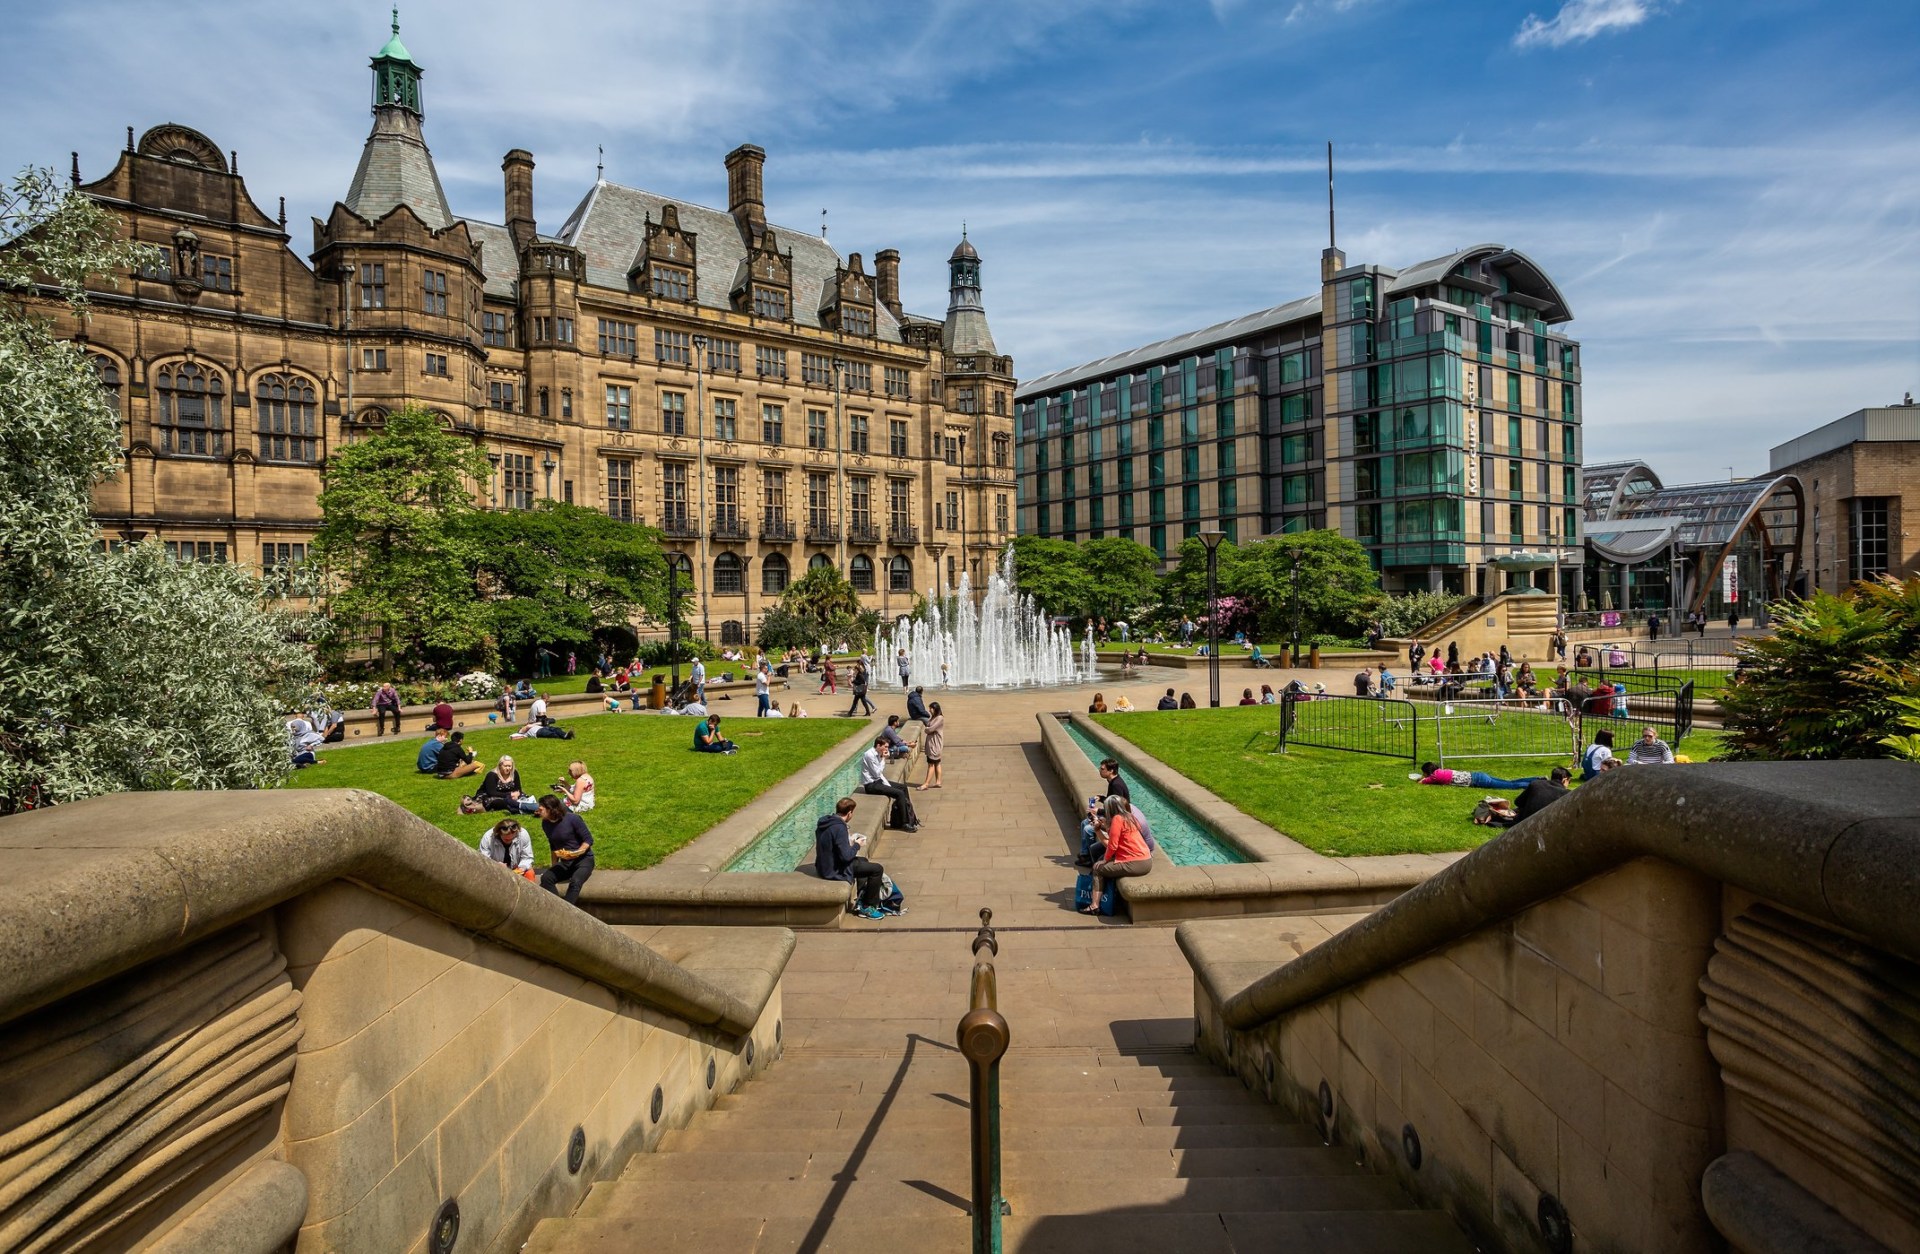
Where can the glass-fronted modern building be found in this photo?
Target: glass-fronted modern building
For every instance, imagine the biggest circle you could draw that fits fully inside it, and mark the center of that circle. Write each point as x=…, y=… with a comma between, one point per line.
x=1431, y=413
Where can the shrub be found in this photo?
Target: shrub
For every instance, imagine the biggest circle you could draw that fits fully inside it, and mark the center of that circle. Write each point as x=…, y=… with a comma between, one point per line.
x=1829, y=682
x=1407, y=613
x=476, y=686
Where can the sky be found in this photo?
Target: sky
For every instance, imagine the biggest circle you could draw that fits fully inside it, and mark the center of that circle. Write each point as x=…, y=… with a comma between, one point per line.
x=1726, y=191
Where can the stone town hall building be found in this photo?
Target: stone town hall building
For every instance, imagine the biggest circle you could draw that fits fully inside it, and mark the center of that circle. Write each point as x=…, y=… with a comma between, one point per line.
x=764, y=402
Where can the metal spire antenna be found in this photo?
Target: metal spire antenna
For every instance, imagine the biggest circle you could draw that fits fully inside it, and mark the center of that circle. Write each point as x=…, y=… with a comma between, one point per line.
x=600, y=167
x=1330, y=243
x=823, y=224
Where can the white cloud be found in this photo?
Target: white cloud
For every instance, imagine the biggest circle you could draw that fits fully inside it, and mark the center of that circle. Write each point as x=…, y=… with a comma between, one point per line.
x=1580, y=20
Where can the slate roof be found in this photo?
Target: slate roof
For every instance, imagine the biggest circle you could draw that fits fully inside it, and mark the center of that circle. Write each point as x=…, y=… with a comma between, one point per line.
x=609, y=227
x=396, y=169
x=1161, y=351
x=498, y=260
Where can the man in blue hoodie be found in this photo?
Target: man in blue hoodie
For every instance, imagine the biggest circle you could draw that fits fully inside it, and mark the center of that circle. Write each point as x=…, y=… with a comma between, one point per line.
x=836, y=856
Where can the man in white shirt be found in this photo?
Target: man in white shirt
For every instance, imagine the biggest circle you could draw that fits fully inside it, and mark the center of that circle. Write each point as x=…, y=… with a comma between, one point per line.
x=873, y=780
x=699, y=679
x=538, y=710
x=762, y=689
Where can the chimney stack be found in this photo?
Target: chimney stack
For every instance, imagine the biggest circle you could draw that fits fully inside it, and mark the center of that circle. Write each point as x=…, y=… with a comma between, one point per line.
x=886, y=280
x=518, y=167
x=745, y=198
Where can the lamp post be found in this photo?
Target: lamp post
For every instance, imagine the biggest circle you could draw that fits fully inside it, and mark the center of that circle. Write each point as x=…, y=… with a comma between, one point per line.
x=673, y=617
x=1211, y=537
x=548, y=465
x=700, y=433
x=840, y=465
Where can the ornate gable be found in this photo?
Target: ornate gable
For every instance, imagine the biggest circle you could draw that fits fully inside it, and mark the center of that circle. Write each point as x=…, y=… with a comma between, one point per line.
x=847, y=303
x=667, y=264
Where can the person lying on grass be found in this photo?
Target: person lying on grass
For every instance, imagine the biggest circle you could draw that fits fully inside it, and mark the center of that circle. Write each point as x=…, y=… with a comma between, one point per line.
x=1431, y=773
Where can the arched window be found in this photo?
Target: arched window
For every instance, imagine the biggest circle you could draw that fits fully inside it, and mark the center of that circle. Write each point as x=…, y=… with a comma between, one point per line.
x=287, y=418
x=192, y=413
x=733, y=631
x=774, y=573
x=899, y=573
x=819, y=561
x=861, y=571
x=109, y=373
x=728, y=574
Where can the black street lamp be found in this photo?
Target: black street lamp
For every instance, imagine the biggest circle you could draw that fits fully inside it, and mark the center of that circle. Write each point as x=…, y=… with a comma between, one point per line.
x=1211, y=537
x=673, y=618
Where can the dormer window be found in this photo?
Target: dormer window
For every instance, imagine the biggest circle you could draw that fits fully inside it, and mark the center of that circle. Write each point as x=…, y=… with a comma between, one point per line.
x=668, y=282
x=769, y=302
x=855, y=320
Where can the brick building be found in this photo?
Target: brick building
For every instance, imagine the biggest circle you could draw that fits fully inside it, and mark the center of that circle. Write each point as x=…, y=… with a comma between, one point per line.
x=765, y=402
x=1861, y=474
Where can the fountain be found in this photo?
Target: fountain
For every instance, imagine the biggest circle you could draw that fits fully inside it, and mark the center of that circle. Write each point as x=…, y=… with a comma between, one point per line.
x=1002, y=641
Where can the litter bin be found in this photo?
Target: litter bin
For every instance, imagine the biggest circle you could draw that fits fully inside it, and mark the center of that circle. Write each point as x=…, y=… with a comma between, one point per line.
x=657, y=698
x=1313, y=658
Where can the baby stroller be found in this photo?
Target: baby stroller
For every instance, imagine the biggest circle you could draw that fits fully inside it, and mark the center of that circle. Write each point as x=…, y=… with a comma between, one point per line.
x=684, y=692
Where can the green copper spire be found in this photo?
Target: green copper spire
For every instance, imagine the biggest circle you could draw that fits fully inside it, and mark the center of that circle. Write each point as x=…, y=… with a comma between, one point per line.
x=396, y=77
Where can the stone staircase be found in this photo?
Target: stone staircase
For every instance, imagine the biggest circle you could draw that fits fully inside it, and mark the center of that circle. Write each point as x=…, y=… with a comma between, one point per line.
x=1104, y=1150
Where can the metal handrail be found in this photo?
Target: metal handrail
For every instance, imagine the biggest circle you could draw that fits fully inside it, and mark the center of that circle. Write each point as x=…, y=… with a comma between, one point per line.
x=983, y=1038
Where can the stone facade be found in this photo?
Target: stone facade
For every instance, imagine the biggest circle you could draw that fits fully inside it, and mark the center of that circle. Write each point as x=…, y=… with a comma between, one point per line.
x=764, y=401
x=1861, y=474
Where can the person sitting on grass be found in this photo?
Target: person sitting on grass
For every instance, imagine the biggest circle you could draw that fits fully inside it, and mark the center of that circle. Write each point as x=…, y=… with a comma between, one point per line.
x=1247, y=697
x=1123, y=852
x=303, y=742
x=500, y=790
x=1121, y=705
x=455, y=760
x=898, y=746
x=509, y=844
x=576, y=788
x=837, y=856
x=595, y=684
x=1267, y=696
x=1167, y=702
x=1432, y=773
x=796, y=710
x=1260, y=661
x=1649, y=750
x=427, y=761
x=1098, y=704
x=1597, y=754
x=1187, y=702
x=707, y=737
x=1542, y=793
x=571, y=845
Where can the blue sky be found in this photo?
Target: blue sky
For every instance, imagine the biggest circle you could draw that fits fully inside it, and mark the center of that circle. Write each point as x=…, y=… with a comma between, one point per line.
x=1728, y=191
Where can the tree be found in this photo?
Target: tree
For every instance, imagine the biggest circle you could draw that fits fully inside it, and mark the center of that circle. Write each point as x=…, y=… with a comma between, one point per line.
x=554, y=574
x=391, y=535
x=1834, y=680
x=1108, y=578
x=1312, y=582
x=1050, y=572
x=819, y=608
x=118, y=669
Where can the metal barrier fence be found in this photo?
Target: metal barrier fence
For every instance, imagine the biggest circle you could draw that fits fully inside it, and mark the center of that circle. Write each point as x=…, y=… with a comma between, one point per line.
x=1709, y=665
x=1504, y=729
x=1383, y=726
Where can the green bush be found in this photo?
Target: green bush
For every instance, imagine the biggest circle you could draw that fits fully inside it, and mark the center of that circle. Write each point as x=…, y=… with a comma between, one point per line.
x=1407, y=613
x=1831, y=679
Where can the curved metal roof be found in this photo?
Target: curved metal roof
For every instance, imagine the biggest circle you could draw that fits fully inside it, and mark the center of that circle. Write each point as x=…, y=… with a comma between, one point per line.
x=1630, y=516
x=1605, y=487
x=1525, y=276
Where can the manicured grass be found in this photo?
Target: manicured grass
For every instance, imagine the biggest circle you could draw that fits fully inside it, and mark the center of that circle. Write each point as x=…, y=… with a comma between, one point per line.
x=1333, y=802
x=654, y=793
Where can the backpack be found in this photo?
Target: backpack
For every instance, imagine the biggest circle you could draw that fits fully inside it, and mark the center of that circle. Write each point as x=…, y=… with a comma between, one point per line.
x=892, y=900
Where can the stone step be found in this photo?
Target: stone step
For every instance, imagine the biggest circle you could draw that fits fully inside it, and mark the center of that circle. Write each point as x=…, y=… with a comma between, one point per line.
x=1261, y=1232
x=1053, y=1079
x=954, y=1162
x=877, y=1191
x=934, y=1114
x=1011, y=1095
x=703, y=1135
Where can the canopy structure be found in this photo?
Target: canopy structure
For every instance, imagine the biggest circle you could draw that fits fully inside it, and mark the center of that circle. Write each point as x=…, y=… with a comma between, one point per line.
x=1634, y=521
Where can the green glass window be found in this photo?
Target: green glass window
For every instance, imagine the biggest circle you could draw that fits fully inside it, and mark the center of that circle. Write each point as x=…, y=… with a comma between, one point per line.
x=1155, y=392
x=1299, y=448
x=1361, y=291
x=1570, y=527
x=1126, y=473
x=1567, y=482
x=1189, y=424
x=1360, y=342
x=1223, y=370
x=1516, y=521
x=1040, y=513
x=1566, y=401
x=1229, y=454
x=1066, y=449
x=1157, y=505
x=1366, y=521
x=1229, y=495
x=1123, y=438
x=1513, y=431
x=1297, y=489
x=1066, y=518
x=1066, y=482
x=1190, y=501
x=1223, y=418
x=1190, y=463
x=1293, y=367
x=1093, y=442
x=1154, y=439
x=1514, y=481
x=1097, y=513
x=1485, y=329
x=1189, y=380
x=1567, y=443
x=1093, y=479
x=1126, y=509
x=1513, y=389
x=1296, y=408
x=1158, y=541
x=1156, y=467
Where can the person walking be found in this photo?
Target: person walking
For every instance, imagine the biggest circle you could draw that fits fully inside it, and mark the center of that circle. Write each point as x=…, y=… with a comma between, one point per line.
x=572, y=662
x=386, y=702
x=571, y=845
x=762, y=689
x=859, y=686
x=1733, y=619
x=934, y=746
x=874, y=781
x=699, y=679
x=829, y=678
x=1653, y=626
x=543, y=658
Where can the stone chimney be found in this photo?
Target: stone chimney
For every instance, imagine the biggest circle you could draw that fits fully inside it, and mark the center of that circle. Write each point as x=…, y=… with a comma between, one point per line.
x=886, y=280
x=518, y=167
x=745, y=198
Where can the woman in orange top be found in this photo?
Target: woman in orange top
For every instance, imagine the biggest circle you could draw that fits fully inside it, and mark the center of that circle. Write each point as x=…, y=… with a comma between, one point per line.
x=1124, y=853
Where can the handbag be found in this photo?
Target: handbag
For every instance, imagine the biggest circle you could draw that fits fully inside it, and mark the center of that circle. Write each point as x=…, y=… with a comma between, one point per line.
x=1083, y=894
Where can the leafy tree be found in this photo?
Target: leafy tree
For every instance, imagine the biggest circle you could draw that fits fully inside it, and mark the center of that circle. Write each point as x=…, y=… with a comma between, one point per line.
x=1317, y=581
x=1109, y=578
x=1833, y=680
x=1050, y=572
x=393, y=534
x=118, y=670
x=553, y=574
x=819, y=608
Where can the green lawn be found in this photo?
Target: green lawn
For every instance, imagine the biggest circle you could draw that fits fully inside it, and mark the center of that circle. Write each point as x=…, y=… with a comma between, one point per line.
x=1333, y=802
x=654, y=793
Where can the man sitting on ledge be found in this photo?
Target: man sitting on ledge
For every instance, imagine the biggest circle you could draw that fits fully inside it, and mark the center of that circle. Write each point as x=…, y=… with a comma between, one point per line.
x=898, y=746
x=837, y=856
x=874, y=781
